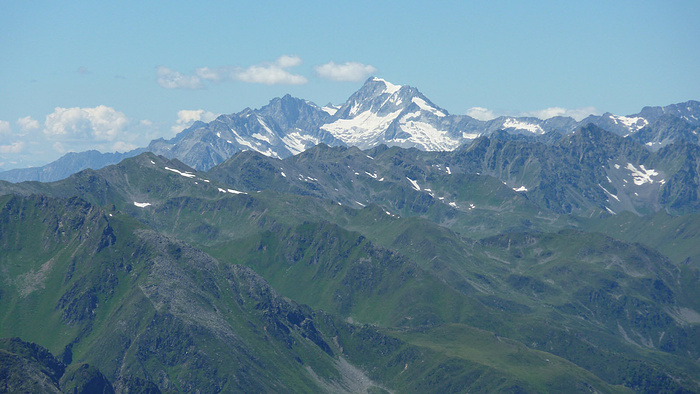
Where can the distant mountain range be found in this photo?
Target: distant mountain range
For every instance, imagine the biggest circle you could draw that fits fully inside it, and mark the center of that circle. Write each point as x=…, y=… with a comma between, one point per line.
x=378, y=113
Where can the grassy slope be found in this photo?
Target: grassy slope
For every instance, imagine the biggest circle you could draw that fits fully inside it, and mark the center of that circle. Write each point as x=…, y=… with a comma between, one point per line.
x=148, y=307
x=212, y=216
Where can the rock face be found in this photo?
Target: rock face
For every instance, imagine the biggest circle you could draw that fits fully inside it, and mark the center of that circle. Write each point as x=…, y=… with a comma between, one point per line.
x=29, y=368
x=286, y=126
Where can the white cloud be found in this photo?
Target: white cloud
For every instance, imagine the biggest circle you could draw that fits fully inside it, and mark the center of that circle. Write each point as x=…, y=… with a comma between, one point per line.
x=101, y=123
x=269, y=73
x=213, y=74
x=15, y=147
x=481, y=113
x=578, y=113
x=286, y=61
x=75, y=130
x=171, y=79
x=186, y=117
x=349, y=71
x=272, y=73
x=28, y=123
x=5, y=127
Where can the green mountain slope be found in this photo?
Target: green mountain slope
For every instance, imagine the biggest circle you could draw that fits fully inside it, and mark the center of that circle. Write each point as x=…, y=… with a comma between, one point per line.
x=413, y=265
x=145, y=306
x=153, y=313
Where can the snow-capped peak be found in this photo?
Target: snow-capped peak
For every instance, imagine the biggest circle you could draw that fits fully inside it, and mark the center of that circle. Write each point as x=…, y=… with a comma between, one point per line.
x=389, y=87
x=382, y=112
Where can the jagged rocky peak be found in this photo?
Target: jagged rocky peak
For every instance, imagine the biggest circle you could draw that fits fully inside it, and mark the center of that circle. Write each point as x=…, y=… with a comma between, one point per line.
x=375, y=87
x=688, y=111
x=370, y=97
x=289, y=111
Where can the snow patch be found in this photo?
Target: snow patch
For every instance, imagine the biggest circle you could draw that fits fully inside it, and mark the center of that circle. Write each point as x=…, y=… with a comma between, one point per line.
x=610, y=194
x=307, y=178
x=242, y=141
x=427, y=136
x=330, y=110
x=264, y=125
x=414, y=184
x=185, y=174
x=422, y=104
x=231, y=191
x=362, y=128
x=355, y=108
x=297, y=143
x=142, y=204
x=633, y=124
x=516, y=124
x=641, y=175
x=282, y=173
x=261, y=137
x=520, y=189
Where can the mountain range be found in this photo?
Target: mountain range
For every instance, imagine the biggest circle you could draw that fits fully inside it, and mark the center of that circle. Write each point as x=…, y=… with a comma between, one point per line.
x=380, y=246
x=378, y=113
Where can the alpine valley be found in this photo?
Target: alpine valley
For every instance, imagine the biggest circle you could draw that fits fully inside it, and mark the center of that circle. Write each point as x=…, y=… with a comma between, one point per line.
x=379, y=246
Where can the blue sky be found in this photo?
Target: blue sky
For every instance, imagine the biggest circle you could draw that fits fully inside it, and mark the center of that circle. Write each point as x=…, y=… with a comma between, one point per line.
x=105, y=75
